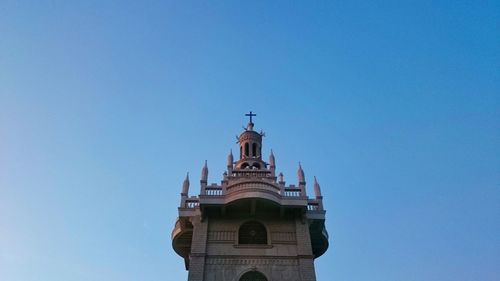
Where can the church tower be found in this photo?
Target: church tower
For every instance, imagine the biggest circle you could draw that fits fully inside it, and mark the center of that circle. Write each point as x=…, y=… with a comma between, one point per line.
x=251, y=226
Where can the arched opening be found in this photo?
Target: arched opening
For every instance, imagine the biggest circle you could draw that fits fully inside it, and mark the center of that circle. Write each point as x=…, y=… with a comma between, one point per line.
x=256, y=165
x=252, y=232
x=245, y=166
x=253, y=276
x=246, y=149
x=254, y=150
x=241, y=152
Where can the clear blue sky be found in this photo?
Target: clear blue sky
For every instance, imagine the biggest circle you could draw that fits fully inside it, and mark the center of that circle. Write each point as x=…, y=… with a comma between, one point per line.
x=393, y=105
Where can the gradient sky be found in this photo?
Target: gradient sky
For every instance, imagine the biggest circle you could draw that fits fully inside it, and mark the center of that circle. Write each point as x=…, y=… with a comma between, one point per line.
x=393, y=105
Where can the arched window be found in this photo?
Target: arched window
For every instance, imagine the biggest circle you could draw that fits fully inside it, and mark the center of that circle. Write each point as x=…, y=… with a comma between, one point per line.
x=246, y=149
x=253, y=276
x=254, y=150
x=241, y=152
x=252, y=232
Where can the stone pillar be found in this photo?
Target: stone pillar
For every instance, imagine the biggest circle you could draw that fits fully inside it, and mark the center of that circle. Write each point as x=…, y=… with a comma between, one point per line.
x=281, y=182
x=306, y=268
x=302, y=187
x=198, y=249
x=304, y=251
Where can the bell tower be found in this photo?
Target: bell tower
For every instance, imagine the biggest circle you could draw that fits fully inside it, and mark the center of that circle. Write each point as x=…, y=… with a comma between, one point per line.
x=251, y=226
x=250, y=148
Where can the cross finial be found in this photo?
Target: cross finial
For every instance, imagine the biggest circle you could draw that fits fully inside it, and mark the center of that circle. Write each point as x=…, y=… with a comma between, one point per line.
x=250, y=115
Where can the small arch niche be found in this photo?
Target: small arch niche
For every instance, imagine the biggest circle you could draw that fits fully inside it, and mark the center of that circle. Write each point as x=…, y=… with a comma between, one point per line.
x=252, y=233
x=253, y=276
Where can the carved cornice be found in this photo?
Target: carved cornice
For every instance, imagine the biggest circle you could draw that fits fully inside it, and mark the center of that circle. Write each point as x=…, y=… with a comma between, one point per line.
x=254, y=260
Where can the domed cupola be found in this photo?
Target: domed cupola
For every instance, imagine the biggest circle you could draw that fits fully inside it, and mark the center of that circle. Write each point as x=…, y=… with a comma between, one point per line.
x=250, y=148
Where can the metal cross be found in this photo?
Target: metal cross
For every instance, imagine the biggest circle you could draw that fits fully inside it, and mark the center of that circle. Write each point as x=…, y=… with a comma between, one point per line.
x=250, y=115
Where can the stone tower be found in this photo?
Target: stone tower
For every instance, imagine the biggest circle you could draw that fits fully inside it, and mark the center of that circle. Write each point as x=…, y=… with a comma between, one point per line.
x=251, y=227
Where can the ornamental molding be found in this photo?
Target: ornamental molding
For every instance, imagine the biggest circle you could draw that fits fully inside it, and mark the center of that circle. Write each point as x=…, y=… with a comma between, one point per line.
x=254, y=260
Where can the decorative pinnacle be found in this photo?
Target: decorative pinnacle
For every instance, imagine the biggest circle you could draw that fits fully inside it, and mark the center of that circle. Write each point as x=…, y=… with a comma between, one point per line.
x=204, y=172
x=300, y=174
x=317, y=189
x=230, y=158
x=185, y=185
x=272, y=159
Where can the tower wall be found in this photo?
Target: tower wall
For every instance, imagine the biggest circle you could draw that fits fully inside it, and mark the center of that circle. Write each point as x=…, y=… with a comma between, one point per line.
x=285, y=257
x=198, y=249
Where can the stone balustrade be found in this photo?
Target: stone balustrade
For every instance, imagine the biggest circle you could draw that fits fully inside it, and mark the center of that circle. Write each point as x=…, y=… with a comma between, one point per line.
x=285, y=192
